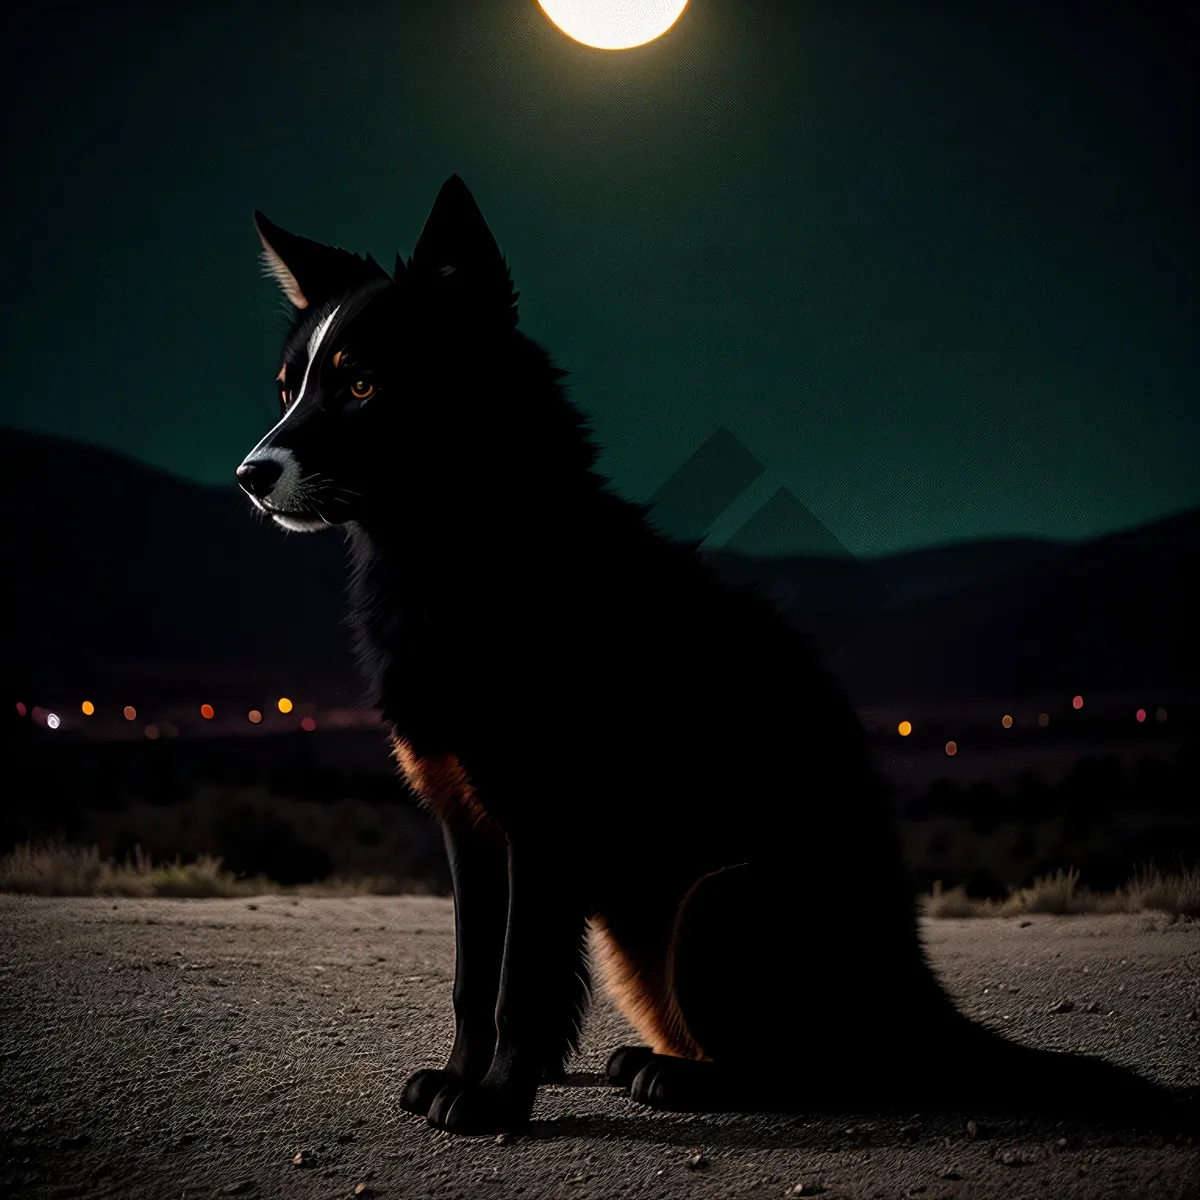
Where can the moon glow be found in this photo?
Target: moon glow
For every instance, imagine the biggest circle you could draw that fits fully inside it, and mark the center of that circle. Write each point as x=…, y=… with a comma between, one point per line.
x=613, y=24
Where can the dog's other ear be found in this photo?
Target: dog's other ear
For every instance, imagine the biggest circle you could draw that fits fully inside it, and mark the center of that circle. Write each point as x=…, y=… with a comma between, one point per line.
x=308, y=272
x=457, y=257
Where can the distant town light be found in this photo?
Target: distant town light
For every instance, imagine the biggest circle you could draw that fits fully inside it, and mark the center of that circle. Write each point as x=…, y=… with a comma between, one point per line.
x=21, y=709
x=255, y=716
x=952, y=748
x=1141, y=715
x=206, y=711
x=285, y=705
x=1161, y=715
x=130, y=712
x=52, y=721
x=904, y=728
x=1077, y=702
x=308, y=724
x=152, y=732
x=1043, y=719
x=88, y=708
x=1006, y=721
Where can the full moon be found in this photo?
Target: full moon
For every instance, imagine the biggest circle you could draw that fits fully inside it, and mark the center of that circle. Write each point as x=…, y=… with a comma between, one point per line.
x=613, y=24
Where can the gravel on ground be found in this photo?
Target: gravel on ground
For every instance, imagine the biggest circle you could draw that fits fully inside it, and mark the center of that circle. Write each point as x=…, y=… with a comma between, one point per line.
x=200, y=1048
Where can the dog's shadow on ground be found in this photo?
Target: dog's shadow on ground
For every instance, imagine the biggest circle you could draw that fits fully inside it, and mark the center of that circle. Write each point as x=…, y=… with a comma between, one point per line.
x=832, y=1130
x=689, y=1130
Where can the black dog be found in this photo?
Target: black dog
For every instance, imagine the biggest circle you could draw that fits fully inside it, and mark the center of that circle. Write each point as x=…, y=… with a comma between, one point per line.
x=609, y=736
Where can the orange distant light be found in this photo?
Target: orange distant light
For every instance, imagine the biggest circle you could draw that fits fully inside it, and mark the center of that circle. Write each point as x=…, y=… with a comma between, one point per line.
x=904, y=728
x=255, y=716
x=1006, y=721
x=152, y=732
x=1043, y=719
x=130, y=712
x=1141, y=715
x=88, y=708
x=308, y=724
x=285, y=705
x=206, y=711
x=952, y=748
x=1077, y=702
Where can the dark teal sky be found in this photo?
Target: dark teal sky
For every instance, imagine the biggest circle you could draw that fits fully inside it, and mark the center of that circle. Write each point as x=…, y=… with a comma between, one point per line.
x=935, y=265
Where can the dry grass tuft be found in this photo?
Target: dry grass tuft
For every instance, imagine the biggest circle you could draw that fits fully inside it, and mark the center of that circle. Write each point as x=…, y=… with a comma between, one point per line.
x=952, y=903
x=1062, y=893
x=1177, y=893
x=52, y=868
x=58, y=869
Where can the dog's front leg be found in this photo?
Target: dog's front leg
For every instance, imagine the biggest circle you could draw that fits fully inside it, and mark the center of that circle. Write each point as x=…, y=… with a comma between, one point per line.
x=479, y=872
x=543, y=991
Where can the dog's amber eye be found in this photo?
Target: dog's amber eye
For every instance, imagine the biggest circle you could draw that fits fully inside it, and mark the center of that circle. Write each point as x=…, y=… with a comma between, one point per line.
x=360, y=389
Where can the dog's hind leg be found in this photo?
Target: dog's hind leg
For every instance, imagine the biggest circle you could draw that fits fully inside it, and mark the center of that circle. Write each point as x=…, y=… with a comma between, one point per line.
x=729, y=966
x=625, y=1062
x=631, y=948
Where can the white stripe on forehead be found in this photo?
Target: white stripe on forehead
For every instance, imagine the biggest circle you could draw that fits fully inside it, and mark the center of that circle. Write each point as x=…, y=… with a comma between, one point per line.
x=319, y=333
x=314, y=344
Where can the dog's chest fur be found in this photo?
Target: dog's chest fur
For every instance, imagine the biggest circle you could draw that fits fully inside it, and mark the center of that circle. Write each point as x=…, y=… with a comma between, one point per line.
x=441, y=783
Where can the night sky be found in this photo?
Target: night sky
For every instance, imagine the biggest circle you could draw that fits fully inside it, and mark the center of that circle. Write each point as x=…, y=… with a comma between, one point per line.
x=934, y=265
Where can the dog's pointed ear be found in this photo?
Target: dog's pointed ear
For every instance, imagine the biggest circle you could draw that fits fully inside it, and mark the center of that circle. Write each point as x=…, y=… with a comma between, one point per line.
x=307, y=271
x=457, y=256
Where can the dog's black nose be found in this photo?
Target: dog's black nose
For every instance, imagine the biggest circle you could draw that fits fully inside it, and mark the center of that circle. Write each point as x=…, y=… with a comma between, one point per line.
x=259, y=476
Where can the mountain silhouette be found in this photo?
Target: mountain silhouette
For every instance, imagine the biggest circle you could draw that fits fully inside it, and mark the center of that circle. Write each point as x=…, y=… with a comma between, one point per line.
x=121, y=572
x=1110, y=614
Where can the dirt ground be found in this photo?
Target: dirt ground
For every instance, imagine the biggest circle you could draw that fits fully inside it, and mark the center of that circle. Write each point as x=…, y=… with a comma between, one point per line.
x=195, y=1048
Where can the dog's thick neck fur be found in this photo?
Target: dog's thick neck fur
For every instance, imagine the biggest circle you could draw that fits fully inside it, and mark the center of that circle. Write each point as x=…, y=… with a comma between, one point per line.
x=431, y=573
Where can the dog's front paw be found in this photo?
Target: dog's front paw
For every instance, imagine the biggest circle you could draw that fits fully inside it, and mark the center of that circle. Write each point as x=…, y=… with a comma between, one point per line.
x=477, y=1111
x=422, y=1087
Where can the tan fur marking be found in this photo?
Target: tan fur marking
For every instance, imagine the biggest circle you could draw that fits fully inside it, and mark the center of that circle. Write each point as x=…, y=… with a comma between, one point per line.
x=639, y=987
x=282, y=376
x=443, y=786
x=337, y=358
x=275, y=266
